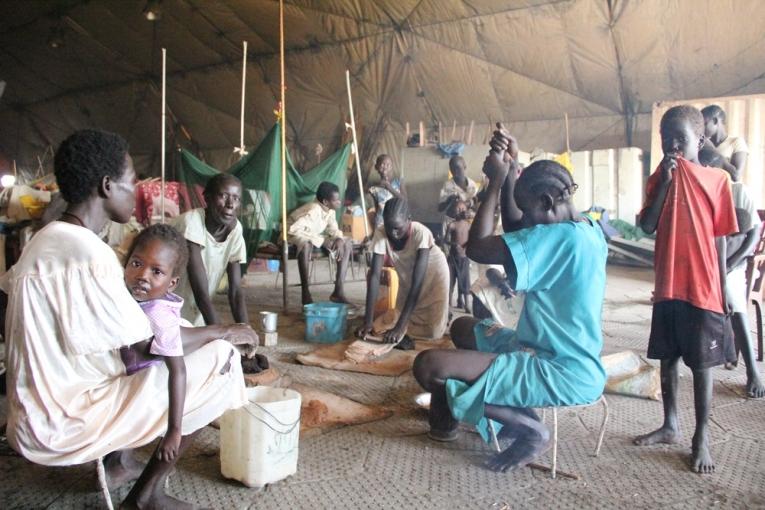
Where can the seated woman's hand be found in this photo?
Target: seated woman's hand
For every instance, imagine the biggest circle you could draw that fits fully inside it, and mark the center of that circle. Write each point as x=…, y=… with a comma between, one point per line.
x=241, y=334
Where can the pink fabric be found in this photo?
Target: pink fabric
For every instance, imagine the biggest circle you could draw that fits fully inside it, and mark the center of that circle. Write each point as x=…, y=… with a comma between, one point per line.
x=148, y=197
x=164, y=316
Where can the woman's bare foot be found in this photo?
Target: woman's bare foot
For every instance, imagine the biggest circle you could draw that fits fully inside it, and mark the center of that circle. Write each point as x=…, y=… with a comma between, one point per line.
x=524, y=450
x=121, y=468
x=754, y=387
x=339, y=297
x=663, y=435
x=701, y=459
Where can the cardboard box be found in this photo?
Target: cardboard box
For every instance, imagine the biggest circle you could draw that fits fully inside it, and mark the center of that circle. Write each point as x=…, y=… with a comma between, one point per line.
x=353, y=226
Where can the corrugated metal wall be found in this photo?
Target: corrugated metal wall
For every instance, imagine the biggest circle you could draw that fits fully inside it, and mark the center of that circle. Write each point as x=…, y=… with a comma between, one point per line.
x=746, y=118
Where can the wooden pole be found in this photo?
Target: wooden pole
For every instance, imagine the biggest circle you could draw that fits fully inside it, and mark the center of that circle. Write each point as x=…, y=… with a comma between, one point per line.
x=283, y=120
x=422, y=134
x=356, y=151
x=470, y=133
x=454, y=129
x=565, y=119
x=242, y=152
x=164, y=120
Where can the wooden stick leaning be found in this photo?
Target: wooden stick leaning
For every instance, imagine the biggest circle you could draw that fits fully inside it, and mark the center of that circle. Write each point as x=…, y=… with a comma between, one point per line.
x=355, y=147
x=283, y=120
x=164, y=117
x=241, y=150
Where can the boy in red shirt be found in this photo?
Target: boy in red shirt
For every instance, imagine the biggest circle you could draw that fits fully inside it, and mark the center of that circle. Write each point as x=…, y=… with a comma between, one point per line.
x=691, y=209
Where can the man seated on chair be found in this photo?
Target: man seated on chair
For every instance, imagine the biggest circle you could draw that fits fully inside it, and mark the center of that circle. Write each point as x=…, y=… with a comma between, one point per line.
x=314, y=225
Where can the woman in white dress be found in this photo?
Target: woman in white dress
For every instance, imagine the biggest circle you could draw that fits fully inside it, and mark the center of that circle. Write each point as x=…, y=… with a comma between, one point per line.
x=70, y=400
x=423, y=296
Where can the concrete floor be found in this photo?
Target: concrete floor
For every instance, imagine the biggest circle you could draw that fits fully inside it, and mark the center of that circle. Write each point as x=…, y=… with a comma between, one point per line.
x=392, y=464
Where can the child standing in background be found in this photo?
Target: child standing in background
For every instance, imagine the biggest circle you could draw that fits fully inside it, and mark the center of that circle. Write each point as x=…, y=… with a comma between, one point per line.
x=459, y=265
x=738, y=248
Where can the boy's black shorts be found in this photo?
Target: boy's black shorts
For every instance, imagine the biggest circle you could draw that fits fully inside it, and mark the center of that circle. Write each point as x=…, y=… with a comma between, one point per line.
x=703, y=338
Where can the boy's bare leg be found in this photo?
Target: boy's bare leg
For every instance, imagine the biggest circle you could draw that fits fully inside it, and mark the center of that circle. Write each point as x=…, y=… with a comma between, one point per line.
x=701, y=459
x=149, y=490
x=304, y=260
x=532, y=438
x=754, y=386
x=344, y=255
x=669, y=432
x=121, y=468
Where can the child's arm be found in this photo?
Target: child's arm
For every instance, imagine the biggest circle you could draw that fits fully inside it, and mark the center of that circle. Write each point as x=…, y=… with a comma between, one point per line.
x=418, y=277
x=198, y=281
x=176, y=385
x=483, y=246
x=744, y=249
x=235, y=293
x=373, y=287
x=649, y=217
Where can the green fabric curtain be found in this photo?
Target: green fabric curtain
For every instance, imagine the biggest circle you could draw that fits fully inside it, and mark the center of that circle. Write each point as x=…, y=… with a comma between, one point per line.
x=260, y=173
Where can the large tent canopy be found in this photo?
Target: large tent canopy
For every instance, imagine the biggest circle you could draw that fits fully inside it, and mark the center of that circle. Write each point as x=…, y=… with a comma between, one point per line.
x=524, y=62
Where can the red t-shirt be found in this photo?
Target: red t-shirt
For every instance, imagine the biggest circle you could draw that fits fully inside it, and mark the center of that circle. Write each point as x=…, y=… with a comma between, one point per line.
x=698, y=208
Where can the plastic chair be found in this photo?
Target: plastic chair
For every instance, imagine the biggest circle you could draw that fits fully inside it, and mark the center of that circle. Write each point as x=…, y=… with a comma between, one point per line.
x=755, y=282
x=601, y=434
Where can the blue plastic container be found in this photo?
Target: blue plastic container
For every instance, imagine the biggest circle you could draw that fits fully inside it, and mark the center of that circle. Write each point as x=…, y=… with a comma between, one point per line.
x=272, y=265
x=325, y=322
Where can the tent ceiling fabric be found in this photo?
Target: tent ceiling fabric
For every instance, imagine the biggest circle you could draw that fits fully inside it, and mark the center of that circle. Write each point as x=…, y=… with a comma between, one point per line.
x=525, y=62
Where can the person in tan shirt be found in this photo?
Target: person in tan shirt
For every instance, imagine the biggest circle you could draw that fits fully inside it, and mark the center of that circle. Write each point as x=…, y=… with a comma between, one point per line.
x=315, y=225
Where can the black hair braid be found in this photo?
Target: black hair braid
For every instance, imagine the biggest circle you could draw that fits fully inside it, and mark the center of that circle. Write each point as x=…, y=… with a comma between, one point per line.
x=547, y=177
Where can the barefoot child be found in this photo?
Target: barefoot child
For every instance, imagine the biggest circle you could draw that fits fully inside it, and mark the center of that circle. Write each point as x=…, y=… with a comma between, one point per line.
x=314, y=225
x=690, y=208
x=459, y=265
x=738, y=248
x=556, y=257
x=152, y=272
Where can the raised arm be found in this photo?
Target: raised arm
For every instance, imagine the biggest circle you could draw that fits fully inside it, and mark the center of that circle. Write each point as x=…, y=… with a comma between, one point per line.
x=418, y=277
x=483, y=246
x=235, y=292
x=198, y=281
x=649, y=216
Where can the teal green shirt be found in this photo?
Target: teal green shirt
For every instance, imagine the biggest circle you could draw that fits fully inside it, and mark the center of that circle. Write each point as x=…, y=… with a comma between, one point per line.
x=553, y=358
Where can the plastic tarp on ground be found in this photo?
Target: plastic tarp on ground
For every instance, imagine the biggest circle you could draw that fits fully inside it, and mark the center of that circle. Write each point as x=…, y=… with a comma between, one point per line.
x=261, y=174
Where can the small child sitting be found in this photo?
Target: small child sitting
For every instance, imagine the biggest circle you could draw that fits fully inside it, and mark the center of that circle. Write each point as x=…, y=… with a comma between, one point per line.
x=459, y=265
x=152, y=272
